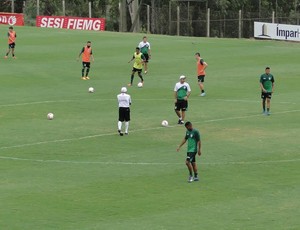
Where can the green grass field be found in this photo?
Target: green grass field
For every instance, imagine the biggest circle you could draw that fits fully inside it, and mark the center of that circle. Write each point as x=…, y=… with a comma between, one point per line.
x=75, y=172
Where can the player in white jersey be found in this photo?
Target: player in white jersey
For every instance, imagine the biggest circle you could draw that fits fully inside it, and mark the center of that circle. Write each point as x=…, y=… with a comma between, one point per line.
x=124, y=101
x=146, y=51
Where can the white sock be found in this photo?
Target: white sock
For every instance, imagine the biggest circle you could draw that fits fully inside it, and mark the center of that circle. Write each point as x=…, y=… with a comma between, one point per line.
x=119, y=125
x=126, y=126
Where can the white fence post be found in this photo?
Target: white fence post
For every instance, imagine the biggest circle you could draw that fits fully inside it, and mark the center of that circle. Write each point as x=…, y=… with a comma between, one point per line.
x=12, y=6
x=208, y=23
x=37, y=7
x=240, y=23
x=178, y=21
x=148, y=19
x=63, y=7
x=273, y=17
x=90, y=9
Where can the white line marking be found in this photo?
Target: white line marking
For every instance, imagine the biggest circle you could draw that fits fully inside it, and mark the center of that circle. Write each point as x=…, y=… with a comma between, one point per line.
x=137, y=130
x=148, y=163
x=141, y=99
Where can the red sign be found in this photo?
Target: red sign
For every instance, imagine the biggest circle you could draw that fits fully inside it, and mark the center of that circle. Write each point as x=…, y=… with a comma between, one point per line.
x=73, y=23
x=12, y=19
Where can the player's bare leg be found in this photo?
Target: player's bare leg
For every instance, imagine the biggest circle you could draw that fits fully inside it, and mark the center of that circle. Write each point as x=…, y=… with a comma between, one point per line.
x=7, y=53
x=131, y=78
x=182, y=115
x=268, y=106
x=195, y=169
x=179, y=116
x=13, y=52
x=264, y=105
x=190, y=168
x=146, y=67
x=201, y=86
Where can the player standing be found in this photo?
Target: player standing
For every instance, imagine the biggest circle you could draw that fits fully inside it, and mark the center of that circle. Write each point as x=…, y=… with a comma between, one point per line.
x=182, y=91
x=12, y=35
x=124, y=101
x=145, y=48
x=139, y=59
x=267, y=88
x=87, y=56
x=194, y=146
x=201, y=66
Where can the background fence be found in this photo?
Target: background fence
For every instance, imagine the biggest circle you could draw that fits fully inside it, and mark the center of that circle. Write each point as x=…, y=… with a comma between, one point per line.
x=186, y=18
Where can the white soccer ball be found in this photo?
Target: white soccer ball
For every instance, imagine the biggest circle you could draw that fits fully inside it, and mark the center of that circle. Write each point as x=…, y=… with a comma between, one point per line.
x=50, y=116
x=91, y=90
x=140, y=85
x=164, y=123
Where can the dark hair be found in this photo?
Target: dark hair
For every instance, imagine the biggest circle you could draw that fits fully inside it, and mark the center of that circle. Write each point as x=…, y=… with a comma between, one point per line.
x=187, y=123
x=197, y=54
x=137, y=48
x=267, y=67
x=144, y=37
x=10, y=28
x=88, y=42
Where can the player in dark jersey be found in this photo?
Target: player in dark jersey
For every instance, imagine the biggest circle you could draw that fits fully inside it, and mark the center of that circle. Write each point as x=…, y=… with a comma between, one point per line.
x=267, y=88
x=192, y=136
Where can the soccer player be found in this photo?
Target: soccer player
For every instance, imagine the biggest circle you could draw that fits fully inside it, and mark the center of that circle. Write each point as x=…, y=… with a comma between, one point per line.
x=144, y=45
x=194, y=146
x=267, y=88
x=124, y=101
x=139, y=59
x=12, y=35
x=201, y=66
x=182, y=91
x=87, y=56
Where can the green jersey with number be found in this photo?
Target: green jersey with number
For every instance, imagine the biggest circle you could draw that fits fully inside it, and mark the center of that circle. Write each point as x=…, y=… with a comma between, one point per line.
x=192, y=137
x=267, y=81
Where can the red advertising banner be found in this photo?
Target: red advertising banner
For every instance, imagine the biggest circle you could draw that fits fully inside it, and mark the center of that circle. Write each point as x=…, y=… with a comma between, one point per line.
x=73, y=23
x=12, y=19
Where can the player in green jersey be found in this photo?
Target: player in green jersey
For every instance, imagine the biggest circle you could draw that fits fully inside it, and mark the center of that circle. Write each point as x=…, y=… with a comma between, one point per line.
x=267, y=88
x=192, y=136
x=139, y=59
x=146, y=51
x=182, y=91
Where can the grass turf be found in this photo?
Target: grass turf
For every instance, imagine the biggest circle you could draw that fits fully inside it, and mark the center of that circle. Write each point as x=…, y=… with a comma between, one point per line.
x=74, y=172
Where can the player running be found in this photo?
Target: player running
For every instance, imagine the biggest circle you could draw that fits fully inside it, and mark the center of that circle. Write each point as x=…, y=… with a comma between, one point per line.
x=267, y=88
x=194, y=146
x=87, y=56
x=144, y=46
x=139, y=59
x=201, y=66
x=182, y=91
x=12, y=35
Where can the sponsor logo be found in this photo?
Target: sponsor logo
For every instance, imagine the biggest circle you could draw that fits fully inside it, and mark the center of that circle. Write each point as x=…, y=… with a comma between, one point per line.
x=287, y=33
x=12, y=20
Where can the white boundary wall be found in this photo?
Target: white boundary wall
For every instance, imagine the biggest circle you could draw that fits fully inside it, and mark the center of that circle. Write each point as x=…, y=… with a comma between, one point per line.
x=277, y=31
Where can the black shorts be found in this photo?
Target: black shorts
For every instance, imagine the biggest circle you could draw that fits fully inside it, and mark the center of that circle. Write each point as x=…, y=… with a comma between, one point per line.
x=266, y=95
x=136, y=70
x=12, y=45
x=124, y=114
x=191, y=157
x=181, y=105
x=86, y=64
x=146, y=57
x=201, y=78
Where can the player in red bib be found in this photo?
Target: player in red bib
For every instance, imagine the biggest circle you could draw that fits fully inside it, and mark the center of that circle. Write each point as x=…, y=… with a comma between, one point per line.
x=11, y=42
x=87, y=56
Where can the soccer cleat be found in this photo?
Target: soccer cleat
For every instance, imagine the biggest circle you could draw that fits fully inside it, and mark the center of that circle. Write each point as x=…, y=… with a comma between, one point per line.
x=120, y=133
x=5, y=57
x=202, y=94
x=87, y=78
x=83, y=78
x=180, y=122
x=196, y=179
x=145, y=71
x=268, y=113
x=126, y=133
x=190, y=179
x=129, y=84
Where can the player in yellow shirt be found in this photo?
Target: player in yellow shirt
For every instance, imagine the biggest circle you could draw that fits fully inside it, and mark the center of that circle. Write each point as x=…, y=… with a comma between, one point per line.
x=139, y=59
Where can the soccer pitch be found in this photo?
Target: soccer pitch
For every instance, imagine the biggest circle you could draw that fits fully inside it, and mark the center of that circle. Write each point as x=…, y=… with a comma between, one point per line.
x=75, y=172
